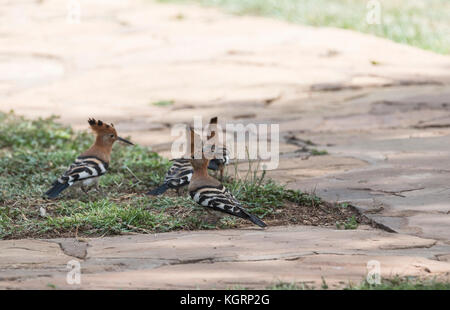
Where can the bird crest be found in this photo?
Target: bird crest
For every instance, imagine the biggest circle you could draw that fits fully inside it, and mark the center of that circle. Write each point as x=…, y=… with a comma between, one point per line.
x=101, y=127
x=195, y=141
x=212, y=128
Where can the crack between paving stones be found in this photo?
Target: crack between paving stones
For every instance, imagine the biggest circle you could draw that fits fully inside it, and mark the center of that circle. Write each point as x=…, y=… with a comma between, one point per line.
x=438, y=257
x=431, y=126
x=394, y=193
x=212, y=260
x=23, y=248
x=408, y=213
x=22, y=278
x=407, y=247
x=324, y=253
x=372, y=222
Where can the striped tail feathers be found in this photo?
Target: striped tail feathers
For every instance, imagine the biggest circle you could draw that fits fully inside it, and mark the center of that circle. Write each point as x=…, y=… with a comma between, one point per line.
x=243, y=213
x=159, y=190
x=254, y=219
x=239, y=211
x=56, y=189
x=220, y=199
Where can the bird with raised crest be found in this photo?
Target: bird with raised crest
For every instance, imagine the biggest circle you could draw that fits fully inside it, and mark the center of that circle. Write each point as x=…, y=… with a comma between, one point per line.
x=91, y=164
x=180, y=172
x=208, y=191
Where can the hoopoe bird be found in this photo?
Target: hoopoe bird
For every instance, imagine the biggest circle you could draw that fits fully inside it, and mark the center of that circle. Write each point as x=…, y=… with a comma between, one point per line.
x=211, y=194
x=91, y=164
x=180, y=172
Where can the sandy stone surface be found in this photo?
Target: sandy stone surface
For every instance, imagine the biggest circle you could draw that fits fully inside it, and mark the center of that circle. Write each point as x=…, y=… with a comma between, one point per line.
x=222, y=259
x=381, y=110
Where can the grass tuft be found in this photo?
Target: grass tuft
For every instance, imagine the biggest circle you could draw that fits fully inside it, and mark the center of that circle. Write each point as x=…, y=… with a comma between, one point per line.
x=395, y=283
x=402, y=283
x=163, y=103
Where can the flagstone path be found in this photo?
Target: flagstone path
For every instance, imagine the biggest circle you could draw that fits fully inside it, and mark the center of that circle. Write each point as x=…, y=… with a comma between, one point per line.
x=381, y=111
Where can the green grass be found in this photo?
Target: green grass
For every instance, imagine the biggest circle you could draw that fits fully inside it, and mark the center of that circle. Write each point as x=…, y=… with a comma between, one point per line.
x=421, y=23
x=351, y=223
x=315, y=152
x=163, y=103
x=289, y=286
x=33, y=153
x=395, y=283
x=404, y=283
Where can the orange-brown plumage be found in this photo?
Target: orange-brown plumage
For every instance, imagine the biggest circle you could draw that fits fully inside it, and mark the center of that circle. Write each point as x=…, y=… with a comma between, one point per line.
x=198, y=162
x=201, y=170
x=106, y=136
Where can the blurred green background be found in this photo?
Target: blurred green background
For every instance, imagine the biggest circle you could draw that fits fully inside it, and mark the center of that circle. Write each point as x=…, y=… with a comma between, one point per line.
x=421, y=23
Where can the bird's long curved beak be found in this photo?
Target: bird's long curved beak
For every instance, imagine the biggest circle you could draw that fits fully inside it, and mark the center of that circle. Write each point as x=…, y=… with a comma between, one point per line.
x=124, y=140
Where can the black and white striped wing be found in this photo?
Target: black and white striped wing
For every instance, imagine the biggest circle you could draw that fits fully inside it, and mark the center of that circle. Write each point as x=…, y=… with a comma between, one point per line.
x=220, y=199
x=84, y=167
x=179, y=174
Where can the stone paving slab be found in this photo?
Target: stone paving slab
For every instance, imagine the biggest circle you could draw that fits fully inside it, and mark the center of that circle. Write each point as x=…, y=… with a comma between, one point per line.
x=386, y=129
x=251, y=258
x=404, y=185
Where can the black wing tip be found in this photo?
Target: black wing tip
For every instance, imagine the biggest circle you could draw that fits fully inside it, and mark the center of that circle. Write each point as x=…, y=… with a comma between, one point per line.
x=47, y=196
x=55, y=190
x=158, y=191
x=258, y=222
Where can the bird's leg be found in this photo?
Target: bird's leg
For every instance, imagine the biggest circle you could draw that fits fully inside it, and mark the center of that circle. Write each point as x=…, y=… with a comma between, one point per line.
x=221, y=173
x=98, y=188
x=179, y=191
x=84, y=189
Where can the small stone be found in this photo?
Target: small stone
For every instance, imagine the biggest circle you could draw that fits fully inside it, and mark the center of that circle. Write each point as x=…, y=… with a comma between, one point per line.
x=42, y=212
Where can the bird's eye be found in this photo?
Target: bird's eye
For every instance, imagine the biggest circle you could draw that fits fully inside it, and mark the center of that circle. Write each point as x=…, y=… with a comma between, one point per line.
x=111, y=135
